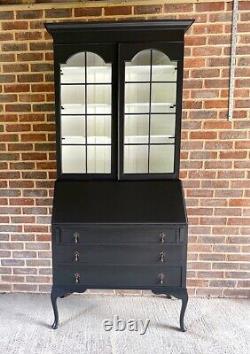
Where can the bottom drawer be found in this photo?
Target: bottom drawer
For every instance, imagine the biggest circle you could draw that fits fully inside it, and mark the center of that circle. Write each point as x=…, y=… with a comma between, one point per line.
x=118, y=276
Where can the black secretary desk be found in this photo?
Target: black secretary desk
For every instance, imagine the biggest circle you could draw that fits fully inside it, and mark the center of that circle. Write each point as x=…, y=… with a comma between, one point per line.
x=119, y=219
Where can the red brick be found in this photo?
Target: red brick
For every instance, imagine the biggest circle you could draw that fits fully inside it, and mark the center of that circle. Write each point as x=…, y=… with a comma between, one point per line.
x=213, y=6
x=55, y=13
x=147, y=9
x=88, y=12
x=118, y=10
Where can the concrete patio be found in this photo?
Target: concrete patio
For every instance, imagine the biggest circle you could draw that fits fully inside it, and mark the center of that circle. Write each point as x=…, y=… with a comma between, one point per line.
x=219, y=326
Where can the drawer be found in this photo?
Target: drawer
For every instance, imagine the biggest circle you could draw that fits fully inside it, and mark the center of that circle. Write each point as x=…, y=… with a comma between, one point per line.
x=120, y=254
x=113, y=234
x=100, y=276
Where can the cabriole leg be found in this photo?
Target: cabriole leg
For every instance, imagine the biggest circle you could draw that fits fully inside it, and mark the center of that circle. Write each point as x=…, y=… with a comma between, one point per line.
x=184, y=299
x=55, y=293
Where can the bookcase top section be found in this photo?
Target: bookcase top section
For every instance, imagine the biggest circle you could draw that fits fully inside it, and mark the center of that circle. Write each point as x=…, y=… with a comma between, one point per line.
x=105, y=202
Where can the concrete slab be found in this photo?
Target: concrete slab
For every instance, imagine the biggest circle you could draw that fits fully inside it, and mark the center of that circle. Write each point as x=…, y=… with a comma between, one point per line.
x=215, y=326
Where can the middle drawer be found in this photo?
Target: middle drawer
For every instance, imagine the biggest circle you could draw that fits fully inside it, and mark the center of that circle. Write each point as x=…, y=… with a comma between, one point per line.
x=120, y=254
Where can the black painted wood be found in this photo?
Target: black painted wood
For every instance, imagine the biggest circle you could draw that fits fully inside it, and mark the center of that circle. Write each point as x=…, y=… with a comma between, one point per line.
x=116, y=231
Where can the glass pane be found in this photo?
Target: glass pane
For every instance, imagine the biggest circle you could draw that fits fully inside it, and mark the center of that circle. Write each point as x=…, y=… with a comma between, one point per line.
x=99, y=159
x=139, y=68
x=73, y=130
x=162, y=128
x=72, y=94
x=163, y=108
x=136, y=129
x=77, y=59
x=135, y=159
x=71, y=74
x=74, y=70
x=163, y=69
x=73, y=159
x=164, y=93
x=161, y=159
x=137, y=98
x=99, y=130
x=99, y=95
x=97, y=69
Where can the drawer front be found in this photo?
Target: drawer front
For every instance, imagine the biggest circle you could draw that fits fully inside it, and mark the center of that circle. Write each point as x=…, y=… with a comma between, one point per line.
x=117, y=276
x=117, y=234
x=120, y=254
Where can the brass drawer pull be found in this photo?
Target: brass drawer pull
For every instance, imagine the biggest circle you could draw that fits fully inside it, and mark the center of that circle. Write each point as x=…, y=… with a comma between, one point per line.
x=77, y=278
x=76, y=257
x=162, y=277
x=76, y=237
x=162, y=257
x=162, y=237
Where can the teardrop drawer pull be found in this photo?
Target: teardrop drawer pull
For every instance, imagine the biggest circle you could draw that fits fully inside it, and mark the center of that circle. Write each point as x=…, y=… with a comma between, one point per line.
x=77, y=278
x=161, y=277
x=162, y=237
x=76, y=237
x=76, y=256
x=162, y=257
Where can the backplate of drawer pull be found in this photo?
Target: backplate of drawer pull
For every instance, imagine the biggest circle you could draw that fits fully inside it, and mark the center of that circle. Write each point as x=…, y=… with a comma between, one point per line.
x=77, y=278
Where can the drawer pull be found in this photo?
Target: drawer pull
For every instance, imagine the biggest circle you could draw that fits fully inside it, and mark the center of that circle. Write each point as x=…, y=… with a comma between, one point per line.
x=163, y=236
x=162, y=257
x=162, y=277
x=76, y=258
x=76, y=237
x=77, y=278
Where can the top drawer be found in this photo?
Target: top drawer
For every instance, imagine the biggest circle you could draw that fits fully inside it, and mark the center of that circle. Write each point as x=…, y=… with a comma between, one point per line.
x=117, y=234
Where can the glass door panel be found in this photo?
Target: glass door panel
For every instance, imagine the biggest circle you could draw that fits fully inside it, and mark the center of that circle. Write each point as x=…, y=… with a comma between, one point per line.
x=136, y=129
x=73, y=129
x=99, y=130
x=135, y=158
x=73, y=159
x=99, y=159
x=86, y=114
x=162, y=128
x=161, y=159
x=137, y=97
x=149, y=121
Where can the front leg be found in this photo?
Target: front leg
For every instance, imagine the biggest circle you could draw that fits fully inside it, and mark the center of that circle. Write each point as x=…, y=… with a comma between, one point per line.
x=55, y=293
x=184, y=299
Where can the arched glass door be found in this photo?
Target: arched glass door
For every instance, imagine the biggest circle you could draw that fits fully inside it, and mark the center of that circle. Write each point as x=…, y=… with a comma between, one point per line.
x=86, y=114
x=149, y=114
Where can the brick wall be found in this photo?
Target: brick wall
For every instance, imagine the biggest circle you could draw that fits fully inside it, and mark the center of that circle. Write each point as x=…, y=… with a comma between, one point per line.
x=215, y=153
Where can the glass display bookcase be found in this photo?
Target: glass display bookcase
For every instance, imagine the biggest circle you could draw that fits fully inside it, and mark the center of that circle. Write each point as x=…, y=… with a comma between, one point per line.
x=118, y=109
x=119, y=219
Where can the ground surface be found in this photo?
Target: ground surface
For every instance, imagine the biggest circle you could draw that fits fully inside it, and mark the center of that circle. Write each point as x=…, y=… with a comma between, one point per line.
x=217, y=326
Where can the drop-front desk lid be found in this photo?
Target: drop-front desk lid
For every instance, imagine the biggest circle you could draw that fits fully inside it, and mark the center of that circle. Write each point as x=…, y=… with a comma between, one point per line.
x=119, y=202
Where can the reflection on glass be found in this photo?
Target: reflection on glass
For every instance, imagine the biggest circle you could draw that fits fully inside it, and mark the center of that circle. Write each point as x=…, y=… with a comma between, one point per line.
x=71, y=95
x=99, y=130
x=98, y=95
x=73, y=159
x=162, y=129
x=135, y=159
x=136, y=129
x=99, y=159
x=73, y=130
x=161, y=159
